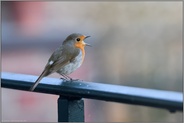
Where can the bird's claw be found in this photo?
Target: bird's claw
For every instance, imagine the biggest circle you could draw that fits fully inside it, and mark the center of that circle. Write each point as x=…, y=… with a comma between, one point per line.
x=70, y=79
x=73, y=79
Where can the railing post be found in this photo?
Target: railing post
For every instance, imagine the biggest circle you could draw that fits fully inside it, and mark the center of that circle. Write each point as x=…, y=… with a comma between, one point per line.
x=70, y=109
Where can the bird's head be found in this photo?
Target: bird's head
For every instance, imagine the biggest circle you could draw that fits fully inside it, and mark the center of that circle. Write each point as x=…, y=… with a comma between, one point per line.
x=77, y=40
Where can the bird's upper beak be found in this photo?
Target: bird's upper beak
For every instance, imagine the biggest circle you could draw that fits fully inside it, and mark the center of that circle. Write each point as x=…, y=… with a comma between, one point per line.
x=87, y=43
x=87, y=37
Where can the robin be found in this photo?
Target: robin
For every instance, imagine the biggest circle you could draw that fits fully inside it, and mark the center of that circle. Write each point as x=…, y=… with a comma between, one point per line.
x=65, y=59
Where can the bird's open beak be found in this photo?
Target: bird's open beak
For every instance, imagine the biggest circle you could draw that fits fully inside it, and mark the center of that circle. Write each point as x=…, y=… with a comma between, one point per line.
x=87, y=43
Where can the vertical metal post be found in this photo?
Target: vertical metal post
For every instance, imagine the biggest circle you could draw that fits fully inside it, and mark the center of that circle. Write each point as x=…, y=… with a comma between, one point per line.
x=70, y=109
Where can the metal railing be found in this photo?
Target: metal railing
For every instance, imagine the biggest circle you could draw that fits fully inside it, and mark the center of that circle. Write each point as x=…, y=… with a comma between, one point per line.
x=71, y=104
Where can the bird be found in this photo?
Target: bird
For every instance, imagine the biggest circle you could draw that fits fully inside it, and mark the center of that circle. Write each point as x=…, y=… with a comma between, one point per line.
x=66, y=58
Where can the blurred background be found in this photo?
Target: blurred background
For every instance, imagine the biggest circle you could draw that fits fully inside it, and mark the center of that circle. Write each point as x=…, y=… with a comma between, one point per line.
x=134, y=44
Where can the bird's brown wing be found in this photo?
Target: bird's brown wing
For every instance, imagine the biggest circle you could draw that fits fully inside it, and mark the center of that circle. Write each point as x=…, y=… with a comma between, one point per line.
x=58, y=59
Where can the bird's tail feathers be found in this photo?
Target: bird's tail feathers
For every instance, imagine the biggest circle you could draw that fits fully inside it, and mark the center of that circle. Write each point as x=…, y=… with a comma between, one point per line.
x=38, y=80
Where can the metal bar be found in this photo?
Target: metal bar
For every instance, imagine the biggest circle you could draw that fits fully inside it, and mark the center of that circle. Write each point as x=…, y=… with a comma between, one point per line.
x=173, y=101
x=70, y=109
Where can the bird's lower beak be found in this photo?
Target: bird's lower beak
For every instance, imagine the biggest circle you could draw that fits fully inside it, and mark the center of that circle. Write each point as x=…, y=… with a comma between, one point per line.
x=87, y=43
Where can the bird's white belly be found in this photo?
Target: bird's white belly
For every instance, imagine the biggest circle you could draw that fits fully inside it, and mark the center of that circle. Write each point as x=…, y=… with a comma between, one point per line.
x=72, y=66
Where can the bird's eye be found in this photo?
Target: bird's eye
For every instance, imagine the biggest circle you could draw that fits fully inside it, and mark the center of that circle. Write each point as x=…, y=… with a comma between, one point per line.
x=78, y=39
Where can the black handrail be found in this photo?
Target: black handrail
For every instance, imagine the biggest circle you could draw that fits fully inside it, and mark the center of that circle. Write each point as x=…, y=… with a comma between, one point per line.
x=173, y=101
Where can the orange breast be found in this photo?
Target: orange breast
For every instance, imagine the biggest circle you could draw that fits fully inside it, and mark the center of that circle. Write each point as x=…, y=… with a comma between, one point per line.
x=83, y=53
x=81, y=47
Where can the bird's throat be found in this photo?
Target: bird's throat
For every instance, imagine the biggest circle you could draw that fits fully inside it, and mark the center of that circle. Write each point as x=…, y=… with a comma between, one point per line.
x=81, y=47
x=83, y=53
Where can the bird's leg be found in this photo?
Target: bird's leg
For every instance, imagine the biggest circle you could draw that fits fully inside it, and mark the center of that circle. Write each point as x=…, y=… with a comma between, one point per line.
x=71, y=80
x=64, y=77
x=67, y=77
